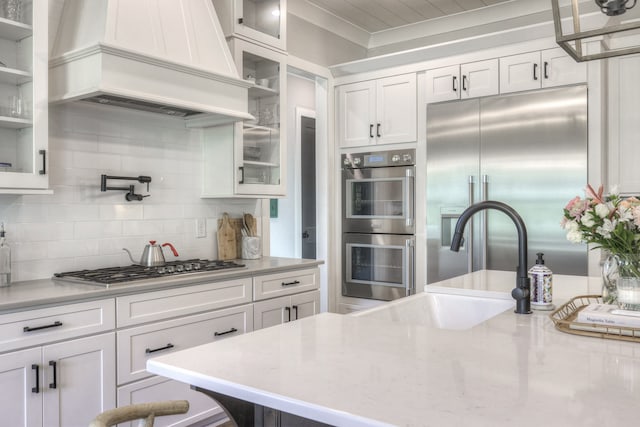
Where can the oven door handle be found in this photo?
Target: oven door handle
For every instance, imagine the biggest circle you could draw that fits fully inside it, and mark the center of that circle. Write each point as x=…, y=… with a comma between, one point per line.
x=409, y=246
x=409, y=196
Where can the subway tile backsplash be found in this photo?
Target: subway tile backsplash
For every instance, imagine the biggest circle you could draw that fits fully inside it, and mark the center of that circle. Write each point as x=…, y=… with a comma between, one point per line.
x=81, y=227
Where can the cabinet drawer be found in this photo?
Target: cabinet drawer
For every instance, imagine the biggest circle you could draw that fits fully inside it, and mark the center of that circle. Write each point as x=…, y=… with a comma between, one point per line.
x=160, y=305
x=158, y=389
x=291, y=282
x=35, y=327
x=136, y=345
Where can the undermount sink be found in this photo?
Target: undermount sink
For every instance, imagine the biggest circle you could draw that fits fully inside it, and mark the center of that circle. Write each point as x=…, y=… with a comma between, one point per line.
x=444, y=311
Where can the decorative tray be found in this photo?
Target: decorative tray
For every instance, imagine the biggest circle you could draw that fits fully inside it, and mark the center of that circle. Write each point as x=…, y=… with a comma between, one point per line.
x=564, y=319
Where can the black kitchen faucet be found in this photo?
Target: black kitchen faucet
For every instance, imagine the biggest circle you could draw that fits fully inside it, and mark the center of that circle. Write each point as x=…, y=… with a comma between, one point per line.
x=521, y=293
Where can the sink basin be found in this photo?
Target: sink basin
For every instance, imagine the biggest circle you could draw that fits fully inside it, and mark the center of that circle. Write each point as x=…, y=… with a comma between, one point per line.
x=444, y=311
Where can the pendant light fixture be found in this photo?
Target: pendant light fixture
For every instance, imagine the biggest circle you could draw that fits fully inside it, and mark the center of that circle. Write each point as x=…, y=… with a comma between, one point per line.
x=597, y=29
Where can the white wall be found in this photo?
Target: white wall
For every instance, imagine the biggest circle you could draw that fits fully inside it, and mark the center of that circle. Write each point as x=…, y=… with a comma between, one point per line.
x=300, y=93
x=81, y=227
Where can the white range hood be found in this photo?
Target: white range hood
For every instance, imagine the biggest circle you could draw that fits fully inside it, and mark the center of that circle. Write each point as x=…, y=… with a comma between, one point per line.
x=163, y=56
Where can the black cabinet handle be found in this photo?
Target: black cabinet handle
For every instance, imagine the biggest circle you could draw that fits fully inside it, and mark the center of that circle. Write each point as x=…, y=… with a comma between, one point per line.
x=43, y=153
x=378, y=130
x=37, y=328
x=535, y=71
x=241, y=175
x=240, y=20
x=230, y=331
x=295, y=307
x=546, y=70
x=464, y=82
x=53, y=364
x=455, y=88
x=288, y=309
x=295, y=282
x=371, y=130
x=166, y=347
x=36, y=368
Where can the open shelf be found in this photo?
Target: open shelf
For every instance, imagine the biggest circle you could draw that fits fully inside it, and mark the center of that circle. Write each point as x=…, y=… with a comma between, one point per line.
x=12, y=30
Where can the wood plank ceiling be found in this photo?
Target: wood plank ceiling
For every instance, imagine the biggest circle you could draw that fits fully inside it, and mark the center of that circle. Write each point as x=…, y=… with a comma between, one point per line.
x=379, y=15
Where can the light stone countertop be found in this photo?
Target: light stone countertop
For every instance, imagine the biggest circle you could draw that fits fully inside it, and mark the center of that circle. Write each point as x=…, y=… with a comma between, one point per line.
x=359, y=370
x=31, y=294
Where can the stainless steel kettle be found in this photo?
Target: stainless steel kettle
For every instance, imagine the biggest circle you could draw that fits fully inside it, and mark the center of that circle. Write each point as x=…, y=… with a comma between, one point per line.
x=152, y=255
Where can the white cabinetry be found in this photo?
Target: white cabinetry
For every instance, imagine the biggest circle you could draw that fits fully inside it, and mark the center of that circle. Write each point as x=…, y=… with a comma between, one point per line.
x=262, y=21
x=285, y=309
x=284, y=297
x=57, y=383
x=378, y=111
x=462, y=81
x=256, y=148
x=23, y=102
x=160, y=322
x=540, y=69
x=624, y=126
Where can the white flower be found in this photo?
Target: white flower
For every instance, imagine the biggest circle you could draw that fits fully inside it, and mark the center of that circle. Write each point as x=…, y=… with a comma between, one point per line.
x=587, y=220
x=574, y=236
x=607, y=227
x=602, y=210
x=571, y=226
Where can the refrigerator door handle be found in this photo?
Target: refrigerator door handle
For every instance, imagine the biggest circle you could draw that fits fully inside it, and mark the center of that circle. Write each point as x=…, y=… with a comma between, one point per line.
x=485, y=221
x=409, y=197
x=410, y=287
x=469, y=244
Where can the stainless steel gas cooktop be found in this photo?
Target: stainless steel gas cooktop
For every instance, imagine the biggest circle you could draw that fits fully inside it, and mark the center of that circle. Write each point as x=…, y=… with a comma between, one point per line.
x=124, y=275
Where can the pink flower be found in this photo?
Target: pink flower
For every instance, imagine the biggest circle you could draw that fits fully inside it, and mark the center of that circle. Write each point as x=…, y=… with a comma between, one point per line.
x=576, y=207
x=596, y=197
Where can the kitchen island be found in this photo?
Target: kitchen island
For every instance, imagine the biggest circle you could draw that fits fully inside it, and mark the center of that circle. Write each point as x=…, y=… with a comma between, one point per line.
x=388, y=367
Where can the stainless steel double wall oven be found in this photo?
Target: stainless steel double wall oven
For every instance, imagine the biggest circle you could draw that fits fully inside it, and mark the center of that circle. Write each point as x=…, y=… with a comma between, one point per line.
x=378, y=224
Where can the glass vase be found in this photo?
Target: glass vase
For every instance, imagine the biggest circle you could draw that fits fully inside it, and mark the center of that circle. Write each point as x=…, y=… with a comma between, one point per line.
x=621, y=280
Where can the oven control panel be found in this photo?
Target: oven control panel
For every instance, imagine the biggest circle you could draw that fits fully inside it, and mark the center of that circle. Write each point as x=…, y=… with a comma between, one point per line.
x=379, y=159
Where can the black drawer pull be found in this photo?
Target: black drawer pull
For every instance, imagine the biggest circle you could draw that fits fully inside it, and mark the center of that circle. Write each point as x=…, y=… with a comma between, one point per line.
x=288, y=313
x=295, y=307
x=36, y=368
x=230, y=331
x=295, y=282
x=37, y=328
x=54, y=384
x=43, y=171
x=371, y=131
x=166, y=347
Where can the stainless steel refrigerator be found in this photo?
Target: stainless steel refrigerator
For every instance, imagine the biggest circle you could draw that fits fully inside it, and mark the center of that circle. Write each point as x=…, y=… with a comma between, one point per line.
x=528, y=150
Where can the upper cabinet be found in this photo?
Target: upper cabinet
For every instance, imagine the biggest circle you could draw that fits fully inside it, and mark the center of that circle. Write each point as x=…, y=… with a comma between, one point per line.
x=255, y=146
x=261, y=21
x=469, y=80
x=379, y=111
x=23, y=98
x=540, y=69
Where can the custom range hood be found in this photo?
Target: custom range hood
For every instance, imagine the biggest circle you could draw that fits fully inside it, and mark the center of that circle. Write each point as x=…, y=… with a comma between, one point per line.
x=163, y=56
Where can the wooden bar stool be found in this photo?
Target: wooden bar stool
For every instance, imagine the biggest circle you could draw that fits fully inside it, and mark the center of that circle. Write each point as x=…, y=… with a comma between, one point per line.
x=146, y=412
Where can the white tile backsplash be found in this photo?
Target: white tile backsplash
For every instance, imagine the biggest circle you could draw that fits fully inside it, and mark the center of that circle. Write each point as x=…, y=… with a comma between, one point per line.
x=81, y=227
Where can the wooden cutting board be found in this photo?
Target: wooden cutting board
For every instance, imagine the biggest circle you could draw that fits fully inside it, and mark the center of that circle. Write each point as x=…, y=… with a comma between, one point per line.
x=227, y=239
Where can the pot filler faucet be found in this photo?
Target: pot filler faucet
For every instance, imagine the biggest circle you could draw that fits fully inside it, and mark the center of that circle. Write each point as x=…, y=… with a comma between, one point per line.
x=521, y=293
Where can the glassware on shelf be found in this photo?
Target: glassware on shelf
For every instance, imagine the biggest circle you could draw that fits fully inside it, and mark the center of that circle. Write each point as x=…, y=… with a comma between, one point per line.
x=12, y=10
x=16, y=106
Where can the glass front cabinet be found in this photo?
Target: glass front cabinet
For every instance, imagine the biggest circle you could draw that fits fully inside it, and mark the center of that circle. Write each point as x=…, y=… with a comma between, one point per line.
x=23, y=98
x=262, y=21
x=255, y=146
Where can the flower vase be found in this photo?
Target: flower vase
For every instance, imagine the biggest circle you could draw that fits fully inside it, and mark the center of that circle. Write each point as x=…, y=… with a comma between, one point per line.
x=621, y=281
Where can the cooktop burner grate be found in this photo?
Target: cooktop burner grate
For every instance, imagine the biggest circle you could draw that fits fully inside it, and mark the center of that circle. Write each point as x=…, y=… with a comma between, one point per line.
x=131, y=273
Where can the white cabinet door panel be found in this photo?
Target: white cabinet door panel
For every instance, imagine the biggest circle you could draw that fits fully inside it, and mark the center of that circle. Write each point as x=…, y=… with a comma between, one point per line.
x=520, y=72
x=479, y=78
x=82, y=383
x=396, y=111
x=443, y=84
x=306, y=304
x=559, y=69
x=20, y=405
x=356, y=109
x=271, y=312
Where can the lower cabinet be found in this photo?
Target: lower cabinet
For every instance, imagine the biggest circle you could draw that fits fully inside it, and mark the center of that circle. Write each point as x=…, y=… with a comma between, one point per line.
x=62, y=384
x=285, y=309
x=159, y=388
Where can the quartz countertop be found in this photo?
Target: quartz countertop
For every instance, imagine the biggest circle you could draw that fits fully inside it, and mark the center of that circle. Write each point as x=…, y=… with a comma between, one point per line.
x=360, y=370
x=33, y=293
